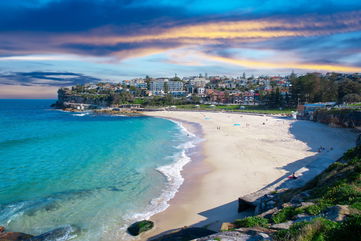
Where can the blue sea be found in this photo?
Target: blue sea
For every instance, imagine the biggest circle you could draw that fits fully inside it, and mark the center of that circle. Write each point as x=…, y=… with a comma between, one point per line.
x=81, y=171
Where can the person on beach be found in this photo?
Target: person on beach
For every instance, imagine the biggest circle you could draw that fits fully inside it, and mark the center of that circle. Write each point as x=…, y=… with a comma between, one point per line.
x=293, y=176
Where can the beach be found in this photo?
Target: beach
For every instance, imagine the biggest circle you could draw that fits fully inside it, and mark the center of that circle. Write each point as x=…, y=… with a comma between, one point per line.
x=241, y=154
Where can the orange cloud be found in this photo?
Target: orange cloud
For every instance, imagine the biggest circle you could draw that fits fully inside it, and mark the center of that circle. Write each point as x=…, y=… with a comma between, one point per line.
x=245, y=29
x=28, y=92
x=283, y=65
x=140, y=52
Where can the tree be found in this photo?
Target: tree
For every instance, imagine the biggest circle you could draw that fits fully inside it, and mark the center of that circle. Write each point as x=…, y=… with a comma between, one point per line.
x=351, y=98
x=166, y=87
x=348, y=87
x=147, y=80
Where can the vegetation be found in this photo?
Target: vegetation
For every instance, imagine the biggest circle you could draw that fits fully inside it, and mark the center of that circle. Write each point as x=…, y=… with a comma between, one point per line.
x=285, y=214
x=237, y=108
x=339, y=184
x=313, y=88
x=318, y=229
x=251, y=222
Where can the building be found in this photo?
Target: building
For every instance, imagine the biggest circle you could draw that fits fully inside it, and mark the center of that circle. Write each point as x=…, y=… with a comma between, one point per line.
x=199, y=82
x=164, y=86
x=307, y=111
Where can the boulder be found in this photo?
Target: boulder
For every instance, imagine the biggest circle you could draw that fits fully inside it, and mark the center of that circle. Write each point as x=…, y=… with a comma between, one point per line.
x=339, y=212
x=304, y=217
x=284, y=205
x=285, y=225
x=268, y=214
x=62, y=233
x=14, y=236
x=255, y=230
x=299, y=198
x=2, y=229
x=244, y=205
x=236, y=236
x=306, y=204
x=139, y=227
x=183, y=234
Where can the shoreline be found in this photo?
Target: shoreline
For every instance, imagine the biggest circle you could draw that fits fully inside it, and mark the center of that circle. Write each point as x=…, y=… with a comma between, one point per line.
x=208, y=194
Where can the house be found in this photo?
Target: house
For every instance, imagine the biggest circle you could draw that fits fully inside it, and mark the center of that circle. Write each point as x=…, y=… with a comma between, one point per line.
x=307, y=111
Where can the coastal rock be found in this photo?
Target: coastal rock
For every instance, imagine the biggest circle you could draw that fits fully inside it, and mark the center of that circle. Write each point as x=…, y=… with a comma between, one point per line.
x=183, y=234
x=2, y=229
x=268, y=213
x=236, y=236
x=285, y=225
x=244, y=204
x=304, y=217
x=255, y=230
x=299, y=198
x=284, y=205
x=139, y=227
x=62, y=233
x=270, y=204
x=306, y=204
x=339, y=212
x=14, y=236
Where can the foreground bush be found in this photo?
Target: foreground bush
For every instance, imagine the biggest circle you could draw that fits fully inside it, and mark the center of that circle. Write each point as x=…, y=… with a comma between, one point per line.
x=319, y=229
x=251, y=222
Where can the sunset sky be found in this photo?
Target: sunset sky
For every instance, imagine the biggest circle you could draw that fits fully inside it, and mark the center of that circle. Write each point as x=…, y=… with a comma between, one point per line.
x=45, y=44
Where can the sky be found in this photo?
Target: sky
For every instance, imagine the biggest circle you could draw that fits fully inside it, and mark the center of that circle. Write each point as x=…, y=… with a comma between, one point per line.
x=47, y=44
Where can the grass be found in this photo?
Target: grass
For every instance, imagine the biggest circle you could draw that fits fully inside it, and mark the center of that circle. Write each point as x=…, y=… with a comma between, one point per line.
x=356, y=104
x=319, y=229
x=315, y=209
x=236, y=108
x=250, y=222
x=285, y=214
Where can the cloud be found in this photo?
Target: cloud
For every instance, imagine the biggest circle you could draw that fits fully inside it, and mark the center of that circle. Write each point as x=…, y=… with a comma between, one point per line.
x=27, y=92
x=127, y=34
x=56, y=79
x=285, y=65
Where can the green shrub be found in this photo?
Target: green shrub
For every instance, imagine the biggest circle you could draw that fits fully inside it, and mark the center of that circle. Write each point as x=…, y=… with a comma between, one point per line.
x=343, y=194
x=349, y=230
x=288, y=234
x=314, y=209
x=336, y=165
x=318, y=229
x=354, y=153
x=356, y=205
x=285, y=214
x=251, y=222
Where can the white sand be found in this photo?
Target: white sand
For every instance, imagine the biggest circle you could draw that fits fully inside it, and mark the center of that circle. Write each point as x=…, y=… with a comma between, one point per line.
x=239, y=160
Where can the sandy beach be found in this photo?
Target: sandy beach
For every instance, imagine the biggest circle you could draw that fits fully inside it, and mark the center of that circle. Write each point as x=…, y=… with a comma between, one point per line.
x=242, y=154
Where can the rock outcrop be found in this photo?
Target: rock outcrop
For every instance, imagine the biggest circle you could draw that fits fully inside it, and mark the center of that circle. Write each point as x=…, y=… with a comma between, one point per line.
x=184, y=234
x=339, y=118
x=237, y=236
x=62, y=233
x=14, y=236
x=139, y=227
x=338, y=213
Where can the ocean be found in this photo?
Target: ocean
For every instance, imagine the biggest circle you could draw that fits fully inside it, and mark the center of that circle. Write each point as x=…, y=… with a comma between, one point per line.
x=92, y=175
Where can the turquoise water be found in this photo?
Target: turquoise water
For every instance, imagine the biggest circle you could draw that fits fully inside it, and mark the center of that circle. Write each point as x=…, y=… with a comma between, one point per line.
x=97, y=173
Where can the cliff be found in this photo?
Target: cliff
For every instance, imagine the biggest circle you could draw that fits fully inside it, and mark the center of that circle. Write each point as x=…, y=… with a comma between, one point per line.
x=347, y=118
x=70, y=99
